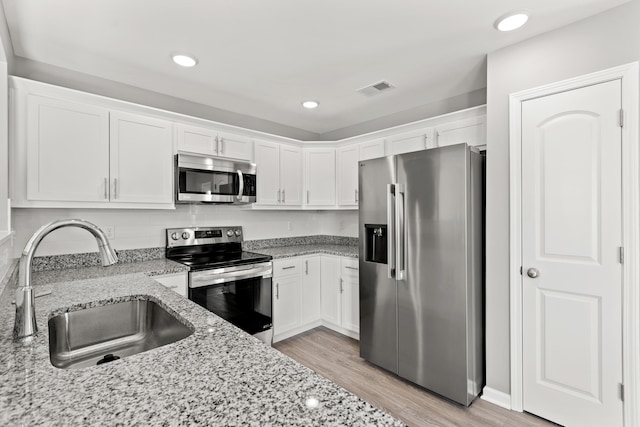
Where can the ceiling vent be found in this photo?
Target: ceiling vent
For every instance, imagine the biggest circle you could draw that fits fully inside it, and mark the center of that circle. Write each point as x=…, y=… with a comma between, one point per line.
x=375, y=88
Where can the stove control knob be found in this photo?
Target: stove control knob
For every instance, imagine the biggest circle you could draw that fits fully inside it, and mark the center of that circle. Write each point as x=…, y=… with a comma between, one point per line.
x=186, y=235
x=174, y=236
x=229, y=233
x=238, y=232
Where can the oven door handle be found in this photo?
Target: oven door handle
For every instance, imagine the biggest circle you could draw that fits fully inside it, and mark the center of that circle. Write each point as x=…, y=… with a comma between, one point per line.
x=214, y=277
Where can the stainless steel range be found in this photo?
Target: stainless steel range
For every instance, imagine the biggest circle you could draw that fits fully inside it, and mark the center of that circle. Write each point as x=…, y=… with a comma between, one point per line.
x=224, y=279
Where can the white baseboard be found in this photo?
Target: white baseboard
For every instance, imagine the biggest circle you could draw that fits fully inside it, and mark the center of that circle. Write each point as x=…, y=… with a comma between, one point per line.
x=496, y=397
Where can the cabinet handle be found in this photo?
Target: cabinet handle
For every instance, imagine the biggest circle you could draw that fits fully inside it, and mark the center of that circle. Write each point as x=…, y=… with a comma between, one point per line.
x=289, y=268
x=115, y=188
x=341, y=290
x=283, y=199
x=217, y=145
x=306, y=267
x=106, y=187
x=278, y=196
x=307, y=196
x=221, y=145
x=350, y=268
x=356, y=195
x=277, y=290
x=172, y=287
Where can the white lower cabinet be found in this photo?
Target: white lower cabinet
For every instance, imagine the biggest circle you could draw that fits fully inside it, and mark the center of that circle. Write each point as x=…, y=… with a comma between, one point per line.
x=286, y=304
x=315, y=290
x=176, y=282
x=310, y=293
x=340, y=295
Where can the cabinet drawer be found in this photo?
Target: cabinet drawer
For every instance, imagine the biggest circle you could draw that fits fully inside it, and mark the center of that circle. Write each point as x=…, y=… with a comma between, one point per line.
x=287, y=267
x=349, y=268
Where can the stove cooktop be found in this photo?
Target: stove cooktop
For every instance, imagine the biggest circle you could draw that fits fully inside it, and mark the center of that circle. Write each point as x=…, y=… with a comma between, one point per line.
x=208, y=261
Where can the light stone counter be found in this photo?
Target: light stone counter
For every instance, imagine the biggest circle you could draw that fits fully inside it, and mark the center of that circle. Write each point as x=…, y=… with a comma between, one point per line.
x=217, y=376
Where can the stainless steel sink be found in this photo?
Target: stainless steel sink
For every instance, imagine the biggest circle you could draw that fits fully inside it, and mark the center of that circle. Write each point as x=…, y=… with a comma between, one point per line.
x=99, y=335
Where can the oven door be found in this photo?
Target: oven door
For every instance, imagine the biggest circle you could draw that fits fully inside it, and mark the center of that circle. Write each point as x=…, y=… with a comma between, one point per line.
x=214, y=180
x=241, y=295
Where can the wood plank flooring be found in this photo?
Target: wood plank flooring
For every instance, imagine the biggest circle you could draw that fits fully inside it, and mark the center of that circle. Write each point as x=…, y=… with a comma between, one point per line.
x=336, y=357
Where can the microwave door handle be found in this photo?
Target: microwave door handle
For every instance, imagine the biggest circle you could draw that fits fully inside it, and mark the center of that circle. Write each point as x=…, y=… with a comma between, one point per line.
x=241, y=190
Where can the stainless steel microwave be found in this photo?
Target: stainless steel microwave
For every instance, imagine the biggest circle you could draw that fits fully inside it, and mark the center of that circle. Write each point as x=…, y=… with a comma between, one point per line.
x=205, y=179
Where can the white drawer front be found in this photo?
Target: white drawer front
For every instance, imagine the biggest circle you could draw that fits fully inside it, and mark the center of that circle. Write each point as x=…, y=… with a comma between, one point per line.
x=287, y=267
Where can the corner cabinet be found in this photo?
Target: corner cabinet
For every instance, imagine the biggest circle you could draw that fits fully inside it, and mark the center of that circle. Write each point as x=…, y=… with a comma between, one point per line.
x=74, y=154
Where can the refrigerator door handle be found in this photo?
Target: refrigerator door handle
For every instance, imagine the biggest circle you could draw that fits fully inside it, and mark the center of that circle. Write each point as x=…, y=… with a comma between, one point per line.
x=400, y=238
x=391, y=249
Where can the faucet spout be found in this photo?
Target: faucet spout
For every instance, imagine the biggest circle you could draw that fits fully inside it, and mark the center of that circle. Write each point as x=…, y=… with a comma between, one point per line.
x=25, y=326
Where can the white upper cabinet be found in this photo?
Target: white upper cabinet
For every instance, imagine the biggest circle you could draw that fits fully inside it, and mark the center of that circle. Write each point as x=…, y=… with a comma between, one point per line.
x=67, y=151
x=73, y=150
x=141, y=159
x=235, y=146
x=320, y=176
x=473, y=131
x=291, y=175
x=279, y=169
x=407, y=142
x=268, y=170
x=197, y=140
x=372, y=149
x=211, y=142
x=348, y=158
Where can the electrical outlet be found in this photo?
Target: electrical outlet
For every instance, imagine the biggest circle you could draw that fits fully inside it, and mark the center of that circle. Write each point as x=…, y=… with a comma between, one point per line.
x=110, y=231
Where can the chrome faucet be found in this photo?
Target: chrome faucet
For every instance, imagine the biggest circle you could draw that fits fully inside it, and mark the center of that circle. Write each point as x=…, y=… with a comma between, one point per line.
x=25, y=326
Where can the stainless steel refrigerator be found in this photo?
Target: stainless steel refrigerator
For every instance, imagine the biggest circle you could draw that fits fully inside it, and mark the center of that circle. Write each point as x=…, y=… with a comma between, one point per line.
x=421, y=268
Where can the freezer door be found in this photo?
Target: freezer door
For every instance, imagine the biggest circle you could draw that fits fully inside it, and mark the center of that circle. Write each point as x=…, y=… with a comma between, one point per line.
x=432, y=296
x=378, y=303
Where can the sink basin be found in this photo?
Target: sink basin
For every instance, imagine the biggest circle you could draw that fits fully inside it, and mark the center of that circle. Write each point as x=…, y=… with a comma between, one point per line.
x=98, y=335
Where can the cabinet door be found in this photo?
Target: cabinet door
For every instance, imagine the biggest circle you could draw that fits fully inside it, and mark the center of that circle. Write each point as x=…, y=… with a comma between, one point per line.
x=235, y=146
x=310, y=293
x=372, y=149
x=67, y=151
x=473, y=131
x=348, y=158
x=330, y=289
x=268, y=173
x=141, y=159
x=176, y=282
x=286, y=304
x=407, y=142
x=197, y=140
x=350, y=295
x=291, y=175
x=320, y=176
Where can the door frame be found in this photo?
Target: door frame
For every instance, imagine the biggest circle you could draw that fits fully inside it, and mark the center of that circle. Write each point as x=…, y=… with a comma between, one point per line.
x=630, y=78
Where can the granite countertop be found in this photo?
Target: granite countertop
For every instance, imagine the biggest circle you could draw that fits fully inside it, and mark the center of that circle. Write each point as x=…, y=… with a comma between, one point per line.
x=217, y=376
x=310, y=249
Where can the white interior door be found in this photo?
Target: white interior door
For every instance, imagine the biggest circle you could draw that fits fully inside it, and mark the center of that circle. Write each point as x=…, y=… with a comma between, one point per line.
x=572, y=272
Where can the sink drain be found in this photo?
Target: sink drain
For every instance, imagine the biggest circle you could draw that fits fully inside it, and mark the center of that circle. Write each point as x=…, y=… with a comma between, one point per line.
x=108, y=358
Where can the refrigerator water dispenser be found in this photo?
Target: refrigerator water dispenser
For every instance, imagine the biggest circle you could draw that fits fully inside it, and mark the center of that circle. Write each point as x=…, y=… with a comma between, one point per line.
x=375, y=245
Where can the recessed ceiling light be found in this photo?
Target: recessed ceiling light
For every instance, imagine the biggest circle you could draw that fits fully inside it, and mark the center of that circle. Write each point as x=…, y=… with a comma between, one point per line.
x=310, y=104
x=511, y=21
x=184, y=60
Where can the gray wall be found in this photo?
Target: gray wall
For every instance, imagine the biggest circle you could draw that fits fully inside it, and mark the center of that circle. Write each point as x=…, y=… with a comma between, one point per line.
x=603, y=41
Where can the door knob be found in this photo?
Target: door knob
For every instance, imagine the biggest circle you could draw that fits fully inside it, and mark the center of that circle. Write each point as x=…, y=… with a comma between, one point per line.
x=533, y=273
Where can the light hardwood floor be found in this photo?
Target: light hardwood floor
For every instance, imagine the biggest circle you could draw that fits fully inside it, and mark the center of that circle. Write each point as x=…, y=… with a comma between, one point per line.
x=336, y=357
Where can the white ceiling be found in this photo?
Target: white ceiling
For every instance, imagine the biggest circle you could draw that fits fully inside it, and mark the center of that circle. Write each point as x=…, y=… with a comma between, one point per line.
x=263, y=57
